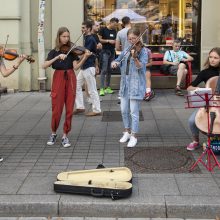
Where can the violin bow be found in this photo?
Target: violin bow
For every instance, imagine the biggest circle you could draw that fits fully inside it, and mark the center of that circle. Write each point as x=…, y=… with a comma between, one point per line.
x=6, y=42
x=74, y=44
x=132, y=46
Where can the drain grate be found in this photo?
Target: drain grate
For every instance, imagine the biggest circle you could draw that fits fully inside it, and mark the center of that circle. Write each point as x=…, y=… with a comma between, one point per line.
x=159, y=160
x=109, y=116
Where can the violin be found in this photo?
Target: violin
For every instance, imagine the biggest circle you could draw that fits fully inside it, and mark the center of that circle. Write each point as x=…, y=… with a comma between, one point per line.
x=77, y=50
x=11, y=54
x=201, y=118
x=72, y=48
x=136, y=49
x=133, y=46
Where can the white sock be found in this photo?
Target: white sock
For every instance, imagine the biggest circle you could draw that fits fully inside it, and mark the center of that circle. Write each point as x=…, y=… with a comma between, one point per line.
x=148, y=90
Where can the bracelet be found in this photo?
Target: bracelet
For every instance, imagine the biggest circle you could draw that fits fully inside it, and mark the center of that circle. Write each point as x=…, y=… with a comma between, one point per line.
x=15, y=68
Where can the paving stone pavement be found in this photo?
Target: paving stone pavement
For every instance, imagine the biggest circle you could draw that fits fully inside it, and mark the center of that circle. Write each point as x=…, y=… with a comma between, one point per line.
x=30, y=166
x=90, y=218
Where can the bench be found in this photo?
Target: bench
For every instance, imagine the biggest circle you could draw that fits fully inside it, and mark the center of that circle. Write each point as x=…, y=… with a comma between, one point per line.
x=157, y=62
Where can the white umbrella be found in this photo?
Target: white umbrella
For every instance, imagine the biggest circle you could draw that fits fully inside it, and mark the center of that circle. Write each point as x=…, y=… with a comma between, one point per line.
x=120, y=13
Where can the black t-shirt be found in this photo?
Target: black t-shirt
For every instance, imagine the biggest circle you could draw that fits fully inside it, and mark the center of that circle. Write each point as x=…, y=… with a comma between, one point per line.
x=90, y=44
x=62, y=64
x=205, y=75
x=96, y=38
x=108, y=34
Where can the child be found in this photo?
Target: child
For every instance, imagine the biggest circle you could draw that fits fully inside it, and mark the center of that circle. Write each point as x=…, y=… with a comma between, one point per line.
x=64, y=83
x=132, y=86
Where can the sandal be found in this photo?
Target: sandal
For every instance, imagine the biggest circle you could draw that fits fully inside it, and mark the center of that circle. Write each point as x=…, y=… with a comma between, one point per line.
x=178, y=91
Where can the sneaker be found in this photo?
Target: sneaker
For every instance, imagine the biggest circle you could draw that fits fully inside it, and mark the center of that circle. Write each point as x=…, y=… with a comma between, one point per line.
x=132, y=142
x=90, y=114
x=52, y=139
x=178, y=91
x=192, y=146
x=119, y=100
x=102, y=92
x=108, y=90
x=66, y=142
x=89, y=100
x=1, y=158
x=79, y=111
x=126, y=136
x=149, y=95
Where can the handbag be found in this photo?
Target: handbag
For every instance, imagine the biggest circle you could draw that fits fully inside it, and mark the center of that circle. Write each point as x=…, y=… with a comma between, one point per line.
x=165, y=67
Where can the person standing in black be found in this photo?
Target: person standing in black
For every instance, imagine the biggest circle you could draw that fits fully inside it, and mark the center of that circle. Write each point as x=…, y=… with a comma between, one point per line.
x=107, y=36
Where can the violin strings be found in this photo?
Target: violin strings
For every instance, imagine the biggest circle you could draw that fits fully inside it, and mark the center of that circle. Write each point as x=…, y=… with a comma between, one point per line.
x=74, y=44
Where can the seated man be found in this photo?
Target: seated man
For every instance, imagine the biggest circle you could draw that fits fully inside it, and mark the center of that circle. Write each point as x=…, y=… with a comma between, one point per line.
x=177, y=59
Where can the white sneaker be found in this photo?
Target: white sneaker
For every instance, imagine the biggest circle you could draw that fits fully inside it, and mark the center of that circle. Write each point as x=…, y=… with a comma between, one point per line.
x=126, y=136
x=89, y=100
x=65, y=142
x=132, y=142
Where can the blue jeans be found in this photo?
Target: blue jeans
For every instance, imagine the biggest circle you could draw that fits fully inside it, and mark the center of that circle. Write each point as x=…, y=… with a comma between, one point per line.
x=130, y=112
x=105, y=61
x=192, y=124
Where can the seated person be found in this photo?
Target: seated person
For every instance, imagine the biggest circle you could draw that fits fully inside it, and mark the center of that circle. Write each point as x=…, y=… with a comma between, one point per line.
x=149, y=92
x=211, y=69
x=176, y=58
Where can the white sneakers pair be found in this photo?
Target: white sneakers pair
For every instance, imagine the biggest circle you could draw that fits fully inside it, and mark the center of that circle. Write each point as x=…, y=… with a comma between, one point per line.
x=127, y=136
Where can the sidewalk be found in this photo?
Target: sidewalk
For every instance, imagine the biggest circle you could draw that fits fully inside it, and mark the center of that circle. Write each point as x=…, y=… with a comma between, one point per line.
x=30, y=166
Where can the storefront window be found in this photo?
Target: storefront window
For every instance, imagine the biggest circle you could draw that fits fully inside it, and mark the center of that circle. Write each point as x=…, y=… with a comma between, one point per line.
x=164, y=20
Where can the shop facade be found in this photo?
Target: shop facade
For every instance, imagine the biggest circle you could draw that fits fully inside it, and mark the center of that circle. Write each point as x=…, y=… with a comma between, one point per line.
x=195, y=22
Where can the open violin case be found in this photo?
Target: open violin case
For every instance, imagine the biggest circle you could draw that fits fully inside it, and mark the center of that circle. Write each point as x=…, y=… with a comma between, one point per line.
x=105, y=182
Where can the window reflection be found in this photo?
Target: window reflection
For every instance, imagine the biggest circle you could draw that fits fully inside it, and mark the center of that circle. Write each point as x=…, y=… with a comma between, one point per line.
x=164, y=20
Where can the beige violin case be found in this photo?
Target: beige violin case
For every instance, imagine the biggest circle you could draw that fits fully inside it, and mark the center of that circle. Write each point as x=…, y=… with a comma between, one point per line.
x=105, y=182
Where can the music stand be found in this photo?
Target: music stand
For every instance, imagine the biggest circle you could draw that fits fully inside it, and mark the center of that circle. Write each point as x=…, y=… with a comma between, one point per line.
x=209, y=101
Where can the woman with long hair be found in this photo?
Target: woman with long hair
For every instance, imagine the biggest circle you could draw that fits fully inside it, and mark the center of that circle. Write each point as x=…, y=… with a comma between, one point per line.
x=63, y=90
x=211, y=69
x=132, y=85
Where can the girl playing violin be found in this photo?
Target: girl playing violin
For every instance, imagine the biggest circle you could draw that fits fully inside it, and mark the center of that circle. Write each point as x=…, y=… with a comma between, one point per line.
x=63, y=90
x=8, y=71
x=211, y=69
x=132, y=85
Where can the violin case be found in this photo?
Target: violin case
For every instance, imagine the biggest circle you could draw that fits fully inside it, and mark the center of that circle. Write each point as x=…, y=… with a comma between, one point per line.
x=103, y=182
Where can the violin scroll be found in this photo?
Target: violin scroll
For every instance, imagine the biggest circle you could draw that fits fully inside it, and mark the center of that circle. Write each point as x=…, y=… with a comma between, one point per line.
x=30, y=59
